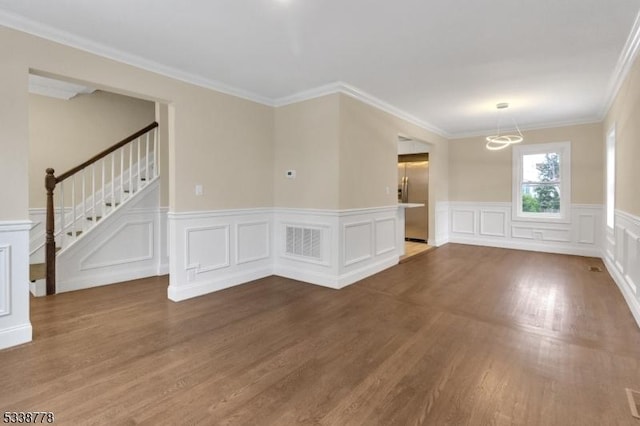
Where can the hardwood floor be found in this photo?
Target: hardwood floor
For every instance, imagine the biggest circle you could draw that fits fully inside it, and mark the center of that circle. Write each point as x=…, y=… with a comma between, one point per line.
x=460, y=335
x=412, y=248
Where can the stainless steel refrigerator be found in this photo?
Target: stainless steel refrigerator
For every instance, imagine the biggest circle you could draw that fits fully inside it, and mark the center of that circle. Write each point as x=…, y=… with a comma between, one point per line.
x=413, y=187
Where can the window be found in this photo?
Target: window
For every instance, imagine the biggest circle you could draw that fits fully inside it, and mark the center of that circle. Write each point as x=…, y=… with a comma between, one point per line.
x=611, y=177
x=542, y=182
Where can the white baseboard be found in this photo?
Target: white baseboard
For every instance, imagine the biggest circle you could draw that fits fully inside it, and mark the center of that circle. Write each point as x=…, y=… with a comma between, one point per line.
x=15, y=336
x=178, y=293
x=629, y=297
x=311, y=277
x=331, y=281
x=529, y=246
x=106, y=278
x=364, y=272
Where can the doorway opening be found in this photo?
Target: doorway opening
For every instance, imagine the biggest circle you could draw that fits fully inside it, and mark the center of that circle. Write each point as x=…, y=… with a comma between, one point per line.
x=413, y=191
x=74, y=128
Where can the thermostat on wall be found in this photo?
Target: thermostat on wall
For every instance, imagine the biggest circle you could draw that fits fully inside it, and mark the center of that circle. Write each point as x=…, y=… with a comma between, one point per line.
x=290, y=174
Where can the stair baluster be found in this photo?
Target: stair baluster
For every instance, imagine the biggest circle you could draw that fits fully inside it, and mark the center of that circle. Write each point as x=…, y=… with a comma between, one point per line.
x=112, y=154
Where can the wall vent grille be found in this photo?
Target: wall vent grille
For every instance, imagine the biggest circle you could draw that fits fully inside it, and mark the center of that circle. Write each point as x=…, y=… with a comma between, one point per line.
x=305, y=242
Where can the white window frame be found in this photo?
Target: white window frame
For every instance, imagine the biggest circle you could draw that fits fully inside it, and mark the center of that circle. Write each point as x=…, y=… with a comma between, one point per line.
x=610, y=187
x=564, y=150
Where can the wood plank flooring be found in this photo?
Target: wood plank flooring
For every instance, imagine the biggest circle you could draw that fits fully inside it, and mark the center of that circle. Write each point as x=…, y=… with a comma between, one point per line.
x=461, y=335
x=412, y=248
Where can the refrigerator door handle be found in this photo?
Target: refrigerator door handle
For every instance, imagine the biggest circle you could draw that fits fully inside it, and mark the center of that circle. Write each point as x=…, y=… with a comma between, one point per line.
x=405, y=191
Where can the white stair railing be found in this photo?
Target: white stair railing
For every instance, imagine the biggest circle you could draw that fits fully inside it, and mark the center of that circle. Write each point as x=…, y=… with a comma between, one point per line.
x=83, y=204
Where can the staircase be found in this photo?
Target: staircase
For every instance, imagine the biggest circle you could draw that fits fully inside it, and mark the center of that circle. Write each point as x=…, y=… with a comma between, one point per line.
x=79, y=200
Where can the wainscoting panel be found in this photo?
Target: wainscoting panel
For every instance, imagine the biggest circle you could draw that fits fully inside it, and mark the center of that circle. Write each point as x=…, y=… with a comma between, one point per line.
x=491, y=224
x=463, y=221
x=15, y=327
x=370, y=242
x=621, y=255
x=254, y=241
x=125, y=246
x=214, y=250
x=386, y=235
x=131, y=242
x=207, y=248
x=441, y=223
x=631, y=254
x=5, y=280
x=355, y=244
x=358, y=242
x=587, y=228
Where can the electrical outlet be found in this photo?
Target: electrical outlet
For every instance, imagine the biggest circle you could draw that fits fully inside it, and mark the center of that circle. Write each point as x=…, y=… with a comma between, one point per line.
x=199, y=190
x=290, y=174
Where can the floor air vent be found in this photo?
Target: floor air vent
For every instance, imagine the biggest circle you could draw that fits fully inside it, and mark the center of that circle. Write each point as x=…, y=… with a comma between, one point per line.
x=305, y=242
x=595, y=269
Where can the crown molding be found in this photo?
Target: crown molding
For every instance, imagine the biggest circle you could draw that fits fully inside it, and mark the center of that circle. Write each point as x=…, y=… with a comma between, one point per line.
x=361, y=95
x=38, y=29
x=306, y=95
x=16, y=22
x=533, y=127
x=623, y=66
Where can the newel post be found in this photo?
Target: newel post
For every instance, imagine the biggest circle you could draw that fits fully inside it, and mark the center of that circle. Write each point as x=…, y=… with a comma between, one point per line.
x=50, y=242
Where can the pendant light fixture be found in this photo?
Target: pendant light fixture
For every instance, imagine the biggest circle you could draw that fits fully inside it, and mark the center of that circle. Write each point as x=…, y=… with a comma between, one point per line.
x=502, y=140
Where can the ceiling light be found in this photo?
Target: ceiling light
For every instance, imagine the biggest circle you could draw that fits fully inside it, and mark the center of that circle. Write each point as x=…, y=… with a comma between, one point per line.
x=502, y=140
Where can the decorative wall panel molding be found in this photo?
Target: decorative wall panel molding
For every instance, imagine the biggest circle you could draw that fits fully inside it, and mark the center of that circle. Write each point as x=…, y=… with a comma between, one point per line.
x=5, y=279
x=491, y=224
x=125, y=246
x=131, y=242
x=357, y=242
x=15, y=328
x=254, y=241
x=621, y=255
x=386, y=235
x=202, y=245
x=463, y=221
x=207, y=248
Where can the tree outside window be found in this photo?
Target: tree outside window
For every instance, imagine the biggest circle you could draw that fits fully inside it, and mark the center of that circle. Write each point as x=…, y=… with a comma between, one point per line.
x=541, y=189
x=542, y=182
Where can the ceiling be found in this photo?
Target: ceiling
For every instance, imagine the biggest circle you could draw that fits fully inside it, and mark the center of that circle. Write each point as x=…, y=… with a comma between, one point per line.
x=443, y=64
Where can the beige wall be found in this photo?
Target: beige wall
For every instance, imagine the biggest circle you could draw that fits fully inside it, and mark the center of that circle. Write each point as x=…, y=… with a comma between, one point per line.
x=64, y=133
x=369, y=156
x=477, y=174
x=345, y=154
x=307, y=140
x=14, y=151
x=625, y=116
x=221, y=142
